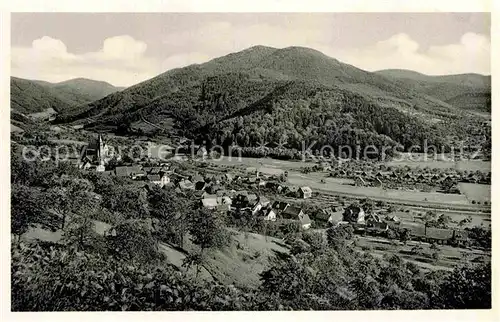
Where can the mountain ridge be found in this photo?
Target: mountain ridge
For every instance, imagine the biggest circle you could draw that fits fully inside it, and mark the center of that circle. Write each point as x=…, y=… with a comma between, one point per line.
x=59, y=96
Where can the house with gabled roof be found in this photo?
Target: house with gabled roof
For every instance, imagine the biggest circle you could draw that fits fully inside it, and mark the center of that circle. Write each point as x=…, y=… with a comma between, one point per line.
x=280, y=206
x=359, y=182
x=209, y=203
x=264, y=201
x=196, y=178
x=186, y=185
x=228, y=177
x=377, y=182
x=213, y=188
x=305, y=221
x=269, y=214
x=291, y=190
x=134, y=172
x=408, y=176
x=305, y=192
x=438, y=235
x=417, y=230
x=330, y=215
x=292, y=212
x=354, y=214
x=460, y=237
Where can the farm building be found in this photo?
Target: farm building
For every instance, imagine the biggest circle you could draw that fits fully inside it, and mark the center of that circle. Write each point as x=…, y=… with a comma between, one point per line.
x=460, y=237
x=291, y=190
x=213, y=188
x=280, y=206
x=244, y=199
x=416, y=230
x=438, y=235
x=331, y=215
x=275, y=186
x=377, y=182
x=157, y=179
x=359, y=182
x=305, y=221
x=201, y=152
x=256, y=208
x=354, y=214
x=296, y=213
x=264, y=201
x=269, y=214
x=292, y=212
x=228, y=177
x=209, y=203
x=133, y=172
x=186, y=185
x=376, y=227
x=305, y=192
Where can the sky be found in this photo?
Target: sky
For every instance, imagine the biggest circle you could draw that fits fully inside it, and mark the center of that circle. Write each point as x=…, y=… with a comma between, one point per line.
x=126, y=48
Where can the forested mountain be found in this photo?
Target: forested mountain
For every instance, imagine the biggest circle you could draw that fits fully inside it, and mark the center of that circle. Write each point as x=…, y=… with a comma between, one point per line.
x=265, y=94
x=33, y=96
x=465, y=91
x=29, y=97
x=81, y=90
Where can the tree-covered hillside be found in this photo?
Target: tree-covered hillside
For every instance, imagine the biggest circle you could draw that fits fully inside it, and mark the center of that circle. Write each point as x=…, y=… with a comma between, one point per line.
x=33, y=96
x=264, y=93
x=28, y=97
x=464, y=91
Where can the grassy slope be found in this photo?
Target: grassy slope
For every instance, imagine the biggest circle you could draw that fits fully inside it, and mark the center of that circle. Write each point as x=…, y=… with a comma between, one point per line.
x=240, y=264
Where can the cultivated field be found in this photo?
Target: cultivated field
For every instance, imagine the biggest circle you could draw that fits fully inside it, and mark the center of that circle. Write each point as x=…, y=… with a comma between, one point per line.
x=373, y=192
x=476, y=192
x=448, y=256
x=419, y=160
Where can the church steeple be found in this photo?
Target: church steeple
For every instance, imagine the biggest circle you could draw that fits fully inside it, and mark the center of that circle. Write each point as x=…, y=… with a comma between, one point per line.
x=100, y=152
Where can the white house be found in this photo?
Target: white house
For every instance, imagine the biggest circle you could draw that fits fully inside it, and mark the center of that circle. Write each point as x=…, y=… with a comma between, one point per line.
x=270, y=215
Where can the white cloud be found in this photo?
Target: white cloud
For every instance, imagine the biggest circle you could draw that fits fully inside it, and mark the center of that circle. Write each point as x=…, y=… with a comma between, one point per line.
x=124, y=61
x=470, y=55
x=121, y=61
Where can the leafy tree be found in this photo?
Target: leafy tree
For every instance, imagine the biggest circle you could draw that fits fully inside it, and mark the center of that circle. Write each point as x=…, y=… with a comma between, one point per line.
x=337, y=236
x=207, y=231
x=79, y=232
x=27, y=207
x=133, y=240
x=315, y=240
x=287, y=279
x=71, y=196
x=465, y=221
x=467, y=287
x=368, y=295
x=172, y=211
x=443, y=221
x=404, y=236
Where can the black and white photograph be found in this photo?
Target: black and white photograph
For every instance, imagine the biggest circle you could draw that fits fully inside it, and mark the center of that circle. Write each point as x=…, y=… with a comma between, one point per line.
x=267, y=161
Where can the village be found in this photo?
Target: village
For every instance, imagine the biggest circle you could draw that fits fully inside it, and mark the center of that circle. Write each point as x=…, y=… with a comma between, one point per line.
x=246, y=192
